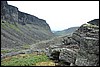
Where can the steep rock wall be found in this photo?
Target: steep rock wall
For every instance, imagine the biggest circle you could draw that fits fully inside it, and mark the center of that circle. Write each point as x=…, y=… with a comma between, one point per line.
x=19, y=28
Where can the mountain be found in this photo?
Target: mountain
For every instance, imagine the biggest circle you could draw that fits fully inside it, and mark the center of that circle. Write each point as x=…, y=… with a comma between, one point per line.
x=66, y=31
x=19, y=28
x=79, y=49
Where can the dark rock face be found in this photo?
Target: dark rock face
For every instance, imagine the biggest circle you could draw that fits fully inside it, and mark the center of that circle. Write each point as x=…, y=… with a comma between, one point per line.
x=80, y=49
x=24, y=18
x=11, y=14
x=18, y=28
x=89, y=44
x=8, y=12
x=94, y=22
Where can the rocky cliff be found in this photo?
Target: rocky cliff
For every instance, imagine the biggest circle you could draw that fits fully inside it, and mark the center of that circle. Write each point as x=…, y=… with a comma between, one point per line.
x=19, y=29
x=79, y=49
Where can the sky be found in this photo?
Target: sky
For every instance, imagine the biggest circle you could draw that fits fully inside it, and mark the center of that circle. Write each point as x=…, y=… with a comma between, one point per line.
x=60, y=15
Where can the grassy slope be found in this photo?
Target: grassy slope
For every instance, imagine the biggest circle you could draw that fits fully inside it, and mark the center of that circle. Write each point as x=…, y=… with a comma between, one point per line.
x=26, y=60
x=23, y=34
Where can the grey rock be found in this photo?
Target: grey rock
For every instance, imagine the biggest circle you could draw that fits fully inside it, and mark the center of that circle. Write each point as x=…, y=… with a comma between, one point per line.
x=81, y=62
x=94, y=22
x=68, y=55
x=18, y=28
x=80, y=49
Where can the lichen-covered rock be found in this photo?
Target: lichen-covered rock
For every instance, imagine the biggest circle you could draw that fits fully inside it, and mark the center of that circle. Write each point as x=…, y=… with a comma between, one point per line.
x=89, y=44
x=81, y=62
x=68, y=55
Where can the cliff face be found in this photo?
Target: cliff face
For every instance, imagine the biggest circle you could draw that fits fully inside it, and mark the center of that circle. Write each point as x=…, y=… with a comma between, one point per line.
x=11, y=15
x=18, y=28
x=80, y=49
x=8, y=12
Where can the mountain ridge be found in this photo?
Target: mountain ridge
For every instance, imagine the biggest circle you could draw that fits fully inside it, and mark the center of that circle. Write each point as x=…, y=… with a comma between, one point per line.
x=18, y=28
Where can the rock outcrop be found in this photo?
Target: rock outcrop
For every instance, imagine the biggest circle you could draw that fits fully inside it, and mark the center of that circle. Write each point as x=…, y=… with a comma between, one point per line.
x=80, y=49
x=19, y=29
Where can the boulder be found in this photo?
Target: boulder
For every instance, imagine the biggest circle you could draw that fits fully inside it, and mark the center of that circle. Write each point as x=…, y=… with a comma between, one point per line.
x=80, y=49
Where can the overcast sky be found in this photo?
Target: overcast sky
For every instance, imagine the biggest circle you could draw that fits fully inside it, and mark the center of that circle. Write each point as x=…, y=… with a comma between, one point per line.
x=60, y=14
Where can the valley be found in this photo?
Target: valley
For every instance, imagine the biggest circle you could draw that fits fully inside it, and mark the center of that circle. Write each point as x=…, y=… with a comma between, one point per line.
x=27, y=40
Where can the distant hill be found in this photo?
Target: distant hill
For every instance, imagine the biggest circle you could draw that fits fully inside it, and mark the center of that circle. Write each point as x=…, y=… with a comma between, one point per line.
x=66, y=31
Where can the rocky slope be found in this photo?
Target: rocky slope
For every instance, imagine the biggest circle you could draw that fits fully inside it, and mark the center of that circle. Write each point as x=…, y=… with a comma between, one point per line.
x=19, y=29
x=80, y=49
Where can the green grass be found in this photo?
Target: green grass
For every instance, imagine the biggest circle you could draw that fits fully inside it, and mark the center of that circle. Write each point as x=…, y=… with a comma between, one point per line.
x=25, y=46
x=8, y=51
x=24, y=60
x=3, y=25
x=7, y=25
x=5, y=51
x=15, y=50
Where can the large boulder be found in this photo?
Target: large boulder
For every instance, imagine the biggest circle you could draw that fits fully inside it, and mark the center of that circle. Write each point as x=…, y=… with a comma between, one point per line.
x=80, y=49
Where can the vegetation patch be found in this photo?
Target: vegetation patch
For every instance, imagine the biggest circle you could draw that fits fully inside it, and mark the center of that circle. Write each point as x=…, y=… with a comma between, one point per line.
x=24, y=60
x=15, y=50
x=8, y=51
x=5, y=51
x=3, y=24
x=49, y=63
x=7, y=25
x=25, y=46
